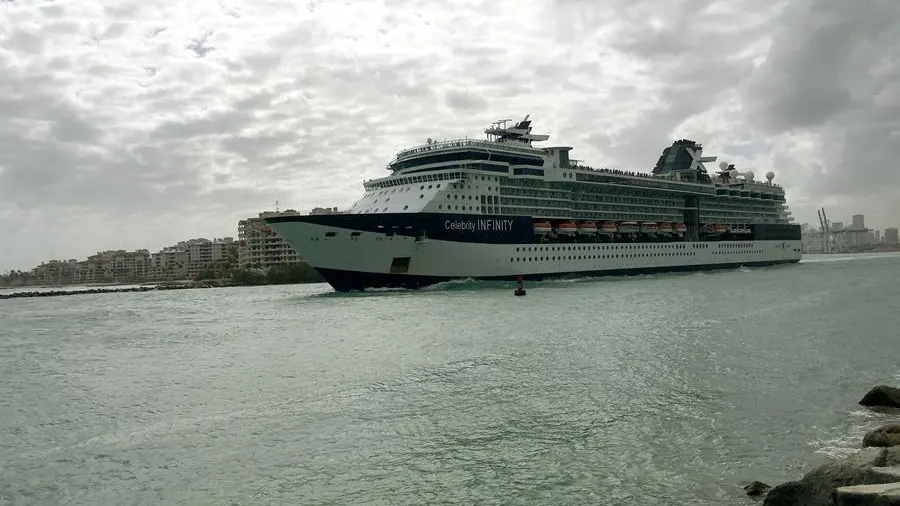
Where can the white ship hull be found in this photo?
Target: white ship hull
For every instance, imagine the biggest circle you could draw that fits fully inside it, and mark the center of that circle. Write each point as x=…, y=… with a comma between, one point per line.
x=355, y=258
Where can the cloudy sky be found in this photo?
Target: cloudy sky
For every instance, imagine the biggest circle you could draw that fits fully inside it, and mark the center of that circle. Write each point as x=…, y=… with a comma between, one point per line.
x=127, y=124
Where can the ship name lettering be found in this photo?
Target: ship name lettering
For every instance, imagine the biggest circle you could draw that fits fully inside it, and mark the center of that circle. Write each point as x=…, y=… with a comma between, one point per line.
x=481, y=225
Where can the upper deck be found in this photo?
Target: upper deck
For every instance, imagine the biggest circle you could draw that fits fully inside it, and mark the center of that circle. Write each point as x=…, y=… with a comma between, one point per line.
x=506, y=174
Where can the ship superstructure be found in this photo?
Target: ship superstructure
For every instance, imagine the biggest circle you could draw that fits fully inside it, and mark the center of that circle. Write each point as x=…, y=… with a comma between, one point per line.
x=474, y=193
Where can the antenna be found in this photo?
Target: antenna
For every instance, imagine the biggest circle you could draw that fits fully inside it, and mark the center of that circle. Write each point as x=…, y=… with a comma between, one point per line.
x=276, y=206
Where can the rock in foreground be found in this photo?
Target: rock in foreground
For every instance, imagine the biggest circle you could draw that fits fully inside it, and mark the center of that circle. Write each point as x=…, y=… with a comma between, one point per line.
x=887, y=494
x=886, y=435
x=882, y=396
x=756, y=489
x=817, y=487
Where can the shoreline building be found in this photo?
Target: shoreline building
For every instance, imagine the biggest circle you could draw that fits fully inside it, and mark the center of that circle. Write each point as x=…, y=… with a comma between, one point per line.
x=260, y=247
x=891, y=236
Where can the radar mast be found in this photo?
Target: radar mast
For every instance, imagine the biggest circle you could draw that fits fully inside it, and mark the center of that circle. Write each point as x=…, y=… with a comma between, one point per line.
x=519, y=133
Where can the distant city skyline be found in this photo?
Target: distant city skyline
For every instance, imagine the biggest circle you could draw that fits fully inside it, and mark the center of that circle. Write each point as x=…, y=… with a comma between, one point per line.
x=236, y=234
x=83, y=251
x=840, y=236
x=257, y=247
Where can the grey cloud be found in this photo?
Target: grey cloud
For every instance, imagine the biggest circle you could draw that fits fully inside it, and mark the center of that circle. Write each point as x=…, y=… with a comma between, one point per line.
x=822, y=54
x=53, y=10
x=463, y=101
x=689, y=59
x=832, y=71
x=302, y=102
x=68, y=126
x=26, y=42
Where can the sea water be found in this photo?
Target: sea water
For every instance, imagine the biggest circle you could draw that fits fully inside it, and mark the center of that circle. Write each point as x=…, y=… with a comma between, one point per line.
x=664, y=389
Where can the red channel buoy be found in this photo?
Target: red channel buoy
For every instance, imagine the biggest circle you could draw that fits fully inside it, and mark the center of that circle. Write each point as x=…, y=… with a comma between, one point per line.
x=520, y=287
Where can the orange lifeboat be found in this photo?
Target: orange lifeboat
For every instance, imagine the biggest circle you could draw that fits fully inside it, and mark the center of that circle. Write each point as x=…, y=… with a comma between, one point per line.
x=680, y=228
x=665, y=228
x=719, y=228
x=567, y=227
x=609, y=227
x=542, y=227
x=587, y=228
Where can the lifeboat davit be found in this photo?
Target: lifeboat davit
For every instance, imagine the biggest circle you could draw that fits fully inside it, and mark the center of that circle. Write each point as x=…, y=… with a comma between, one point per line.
x=609, y=227
x=665, y=228
x=542, y=227
x=649, y=227
x=567, y=227
x=680, y=228
x=587, y=228
x=629, y=227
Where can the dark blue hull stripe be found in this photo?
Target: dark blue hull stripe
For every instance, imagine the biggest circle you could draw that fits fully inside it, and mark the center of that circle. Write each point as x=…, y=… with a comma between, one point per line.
x=478, y=229
x=345, y=281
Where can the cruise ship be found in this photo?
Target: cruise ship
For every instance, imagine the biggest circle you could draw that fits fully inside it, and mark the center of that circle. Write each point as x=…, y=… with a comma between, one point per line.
x=500, y=207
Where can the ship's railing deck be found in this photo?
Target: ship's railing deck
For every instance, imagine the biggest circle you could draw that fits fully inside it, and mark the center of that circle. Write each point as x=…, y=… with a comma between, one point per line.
x=616, y=172
x=462, y=143
x=755, y=184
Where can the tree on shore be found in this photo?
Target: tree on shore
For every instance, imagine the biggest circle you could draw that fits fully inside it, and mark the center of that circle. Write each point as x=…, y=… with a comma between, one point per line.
x=274, y=275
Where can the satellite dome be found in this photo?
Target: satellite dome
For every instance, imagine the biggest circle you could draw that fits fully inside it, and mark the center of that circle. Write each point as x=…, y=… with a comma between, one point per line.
x=770, y=175
x=749, y=175
x=723, y=165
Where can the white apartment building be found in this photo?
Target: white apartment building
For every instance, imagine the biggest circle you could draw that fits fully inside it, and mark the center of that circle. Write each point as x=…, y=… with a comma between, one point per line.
x=57, y=272
x=104, y=267
x=261, y=247
x=891, y=236
x=203, y=252
x=170, y=264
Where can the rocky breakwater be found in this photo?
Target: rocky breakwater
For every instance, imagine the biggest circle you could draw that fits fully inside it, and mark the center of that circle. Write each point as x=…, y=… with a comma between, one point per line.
x=148, y=288
x=869, y=477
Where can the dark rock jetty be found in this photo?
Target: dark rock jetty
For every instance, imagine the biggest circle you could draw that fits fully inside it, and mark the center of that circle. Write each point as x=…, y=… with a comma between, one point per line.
x=149, y=288
x=869, y=477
